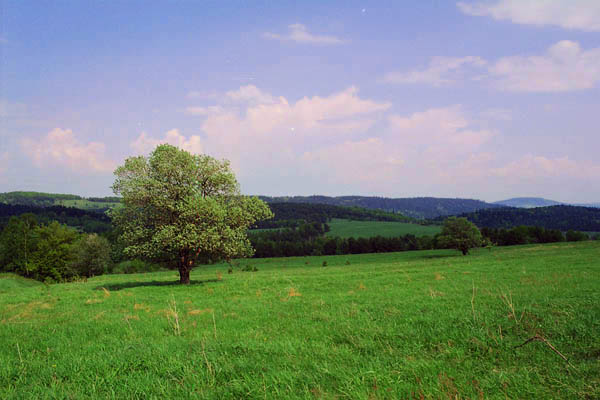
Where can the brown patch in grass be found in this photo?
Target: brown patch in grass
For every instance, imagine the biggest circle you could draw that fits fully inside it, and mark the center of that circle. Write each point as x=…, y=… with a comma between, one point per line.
x=258, y=293
x=435, y=293
x=294, y=293
x=106, y=292
x=200, y=312
x=93, y=301
x=362, y=286
x=219, y=276
x=438, y=276
x=141, y=306
x=128, y=317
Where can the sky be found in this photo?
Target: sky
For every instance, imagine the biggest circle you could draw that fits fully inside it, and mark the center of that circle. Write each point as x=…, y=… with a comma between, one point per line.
x=484, y=99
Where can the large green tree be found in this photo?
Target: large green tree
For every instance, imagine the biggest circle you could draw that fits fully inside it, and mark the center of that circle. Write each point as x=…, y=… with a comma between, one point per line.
x=460, y=234
x=183, y=209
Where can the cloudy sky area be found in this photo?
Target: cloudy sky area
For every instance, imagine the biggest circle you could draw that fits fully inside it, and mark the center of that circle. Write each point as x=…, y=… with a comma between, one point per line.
x=479, y=99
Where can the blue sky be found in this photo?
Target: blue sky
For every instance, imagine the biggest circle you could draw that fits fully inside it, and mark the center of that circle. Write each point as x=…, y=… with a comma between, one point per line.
x=480, y=99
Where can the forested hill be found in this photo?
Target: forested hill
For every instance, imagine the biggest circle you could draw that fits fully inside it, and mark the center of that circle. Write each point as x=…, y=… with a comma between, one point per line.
x=86, y=221
x=563, y=218
x=292, y=214
x=416, y=207
x=39, y=199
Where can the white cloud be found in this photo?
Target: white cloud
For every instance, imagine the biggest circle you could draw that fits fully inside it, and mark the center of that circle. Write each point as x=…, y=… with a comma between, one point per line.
x=250, y=94
x=564, y=67
x=204, y=110
x=299, y=34
x=569, y=14
x=367, y=162
x=441, y=71
x=144, y=144
x=533, y=166
x=60, y=147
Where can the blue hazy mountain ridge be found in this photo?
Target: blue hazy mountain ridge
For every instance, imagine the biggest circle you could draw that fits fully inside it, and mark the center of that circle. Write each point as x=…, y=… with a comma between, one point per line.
x=532, y=202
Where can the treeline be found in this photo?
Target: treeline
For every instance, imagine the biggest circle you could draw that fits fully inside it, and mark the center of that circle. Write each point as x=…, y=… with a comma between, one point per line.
x=309, y=240
x=83, y=220
x=51, y=252
x=290, y=215
x=39, y=199
x=36, y=199
x=531, y=235
x=563, y=218
x=416, y=207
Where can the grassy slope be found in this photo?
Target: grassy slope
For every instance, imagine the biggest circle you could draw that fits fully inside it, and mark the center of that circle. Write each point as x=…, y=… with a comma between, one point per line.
x=430, y=323
x=346, y=228
x=85, y=204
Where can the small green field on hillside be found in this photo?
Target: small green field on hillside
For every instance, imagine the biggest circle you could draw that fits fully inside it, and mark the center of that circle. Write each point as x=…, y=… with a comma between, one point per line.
x=346, y=228
x=86, y=204
x=421, y=324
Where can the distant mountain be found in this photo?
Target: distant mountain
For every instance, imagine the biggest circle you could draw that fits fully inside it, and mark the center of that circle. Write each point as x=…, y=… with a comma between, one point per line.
x=416, y=207
x=532, y=202
x=527, y=202
x=561, y=217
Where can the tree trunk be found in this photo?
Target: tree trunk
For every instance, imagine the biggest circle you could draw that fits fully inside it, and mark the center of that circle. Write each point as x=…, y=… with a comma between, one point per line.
x=184, y=275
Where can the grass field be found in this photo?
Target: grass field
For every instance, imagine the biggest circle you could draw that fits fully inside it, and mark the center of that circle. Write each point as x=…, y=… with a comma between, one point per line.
x=85, y=204
x=346, y=228
x=426, y=324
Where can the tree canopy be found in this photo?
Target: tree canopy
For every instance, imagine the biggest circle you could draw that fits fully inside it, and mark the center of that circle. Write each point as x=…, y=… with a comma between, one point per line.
x=460, y=234
x=183, y=209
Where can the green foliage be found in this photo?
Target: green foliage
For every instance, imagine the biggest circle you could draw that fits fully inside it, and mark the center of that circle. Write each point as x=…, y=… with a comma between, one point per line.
x=182, y=209
x=576, y=236
x=91, y=255
x=53, y=257
x=52, y=252
x=460, y=234
x=422, y=324
x=18, y=242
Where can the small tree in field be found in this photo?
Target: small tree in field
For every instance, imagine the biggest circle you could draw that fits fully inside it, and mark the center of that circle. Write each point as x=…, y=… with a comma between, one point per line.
x=183, y=209
x=460, y=234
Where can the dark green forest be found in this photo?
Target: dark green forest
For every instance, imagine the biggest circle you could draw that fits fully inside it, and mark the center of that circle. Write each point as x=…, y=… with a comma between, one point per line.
x=416, y=207
x=561, y=217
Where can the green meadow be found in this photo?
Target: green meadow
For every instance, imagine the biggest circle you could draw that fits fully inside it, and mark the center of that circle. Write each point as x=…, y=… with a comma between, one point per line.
x=346, y=228
x=513, y=322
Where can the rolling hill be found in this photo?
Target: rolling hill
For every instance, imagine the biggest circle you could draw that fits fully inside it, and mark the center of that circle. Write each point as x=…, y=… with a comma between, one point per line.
x=416, y=207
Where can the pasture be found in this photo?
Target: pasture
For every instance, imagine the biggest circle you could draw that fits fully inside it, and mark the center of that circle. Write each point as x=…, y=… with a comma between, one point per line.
x=346, y=228
x=513, y=322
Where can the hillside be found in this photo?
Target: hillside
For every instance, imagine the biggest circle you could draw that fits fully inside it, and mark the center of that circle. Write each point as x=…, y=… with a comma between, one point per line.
x=292, y=214
x=560, y=217
x=84, y=220
x=416, y=207
x=39, y=199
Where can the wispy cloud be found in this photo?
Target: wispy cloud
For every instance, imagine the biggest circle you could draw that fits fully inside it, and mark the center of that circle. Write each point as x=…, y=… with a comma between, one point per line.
x=299, y=33
x=61, y=147
x=535, y=166
x=144, y=144
x=441, y=71
x=564, y=67
x=569, y=14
